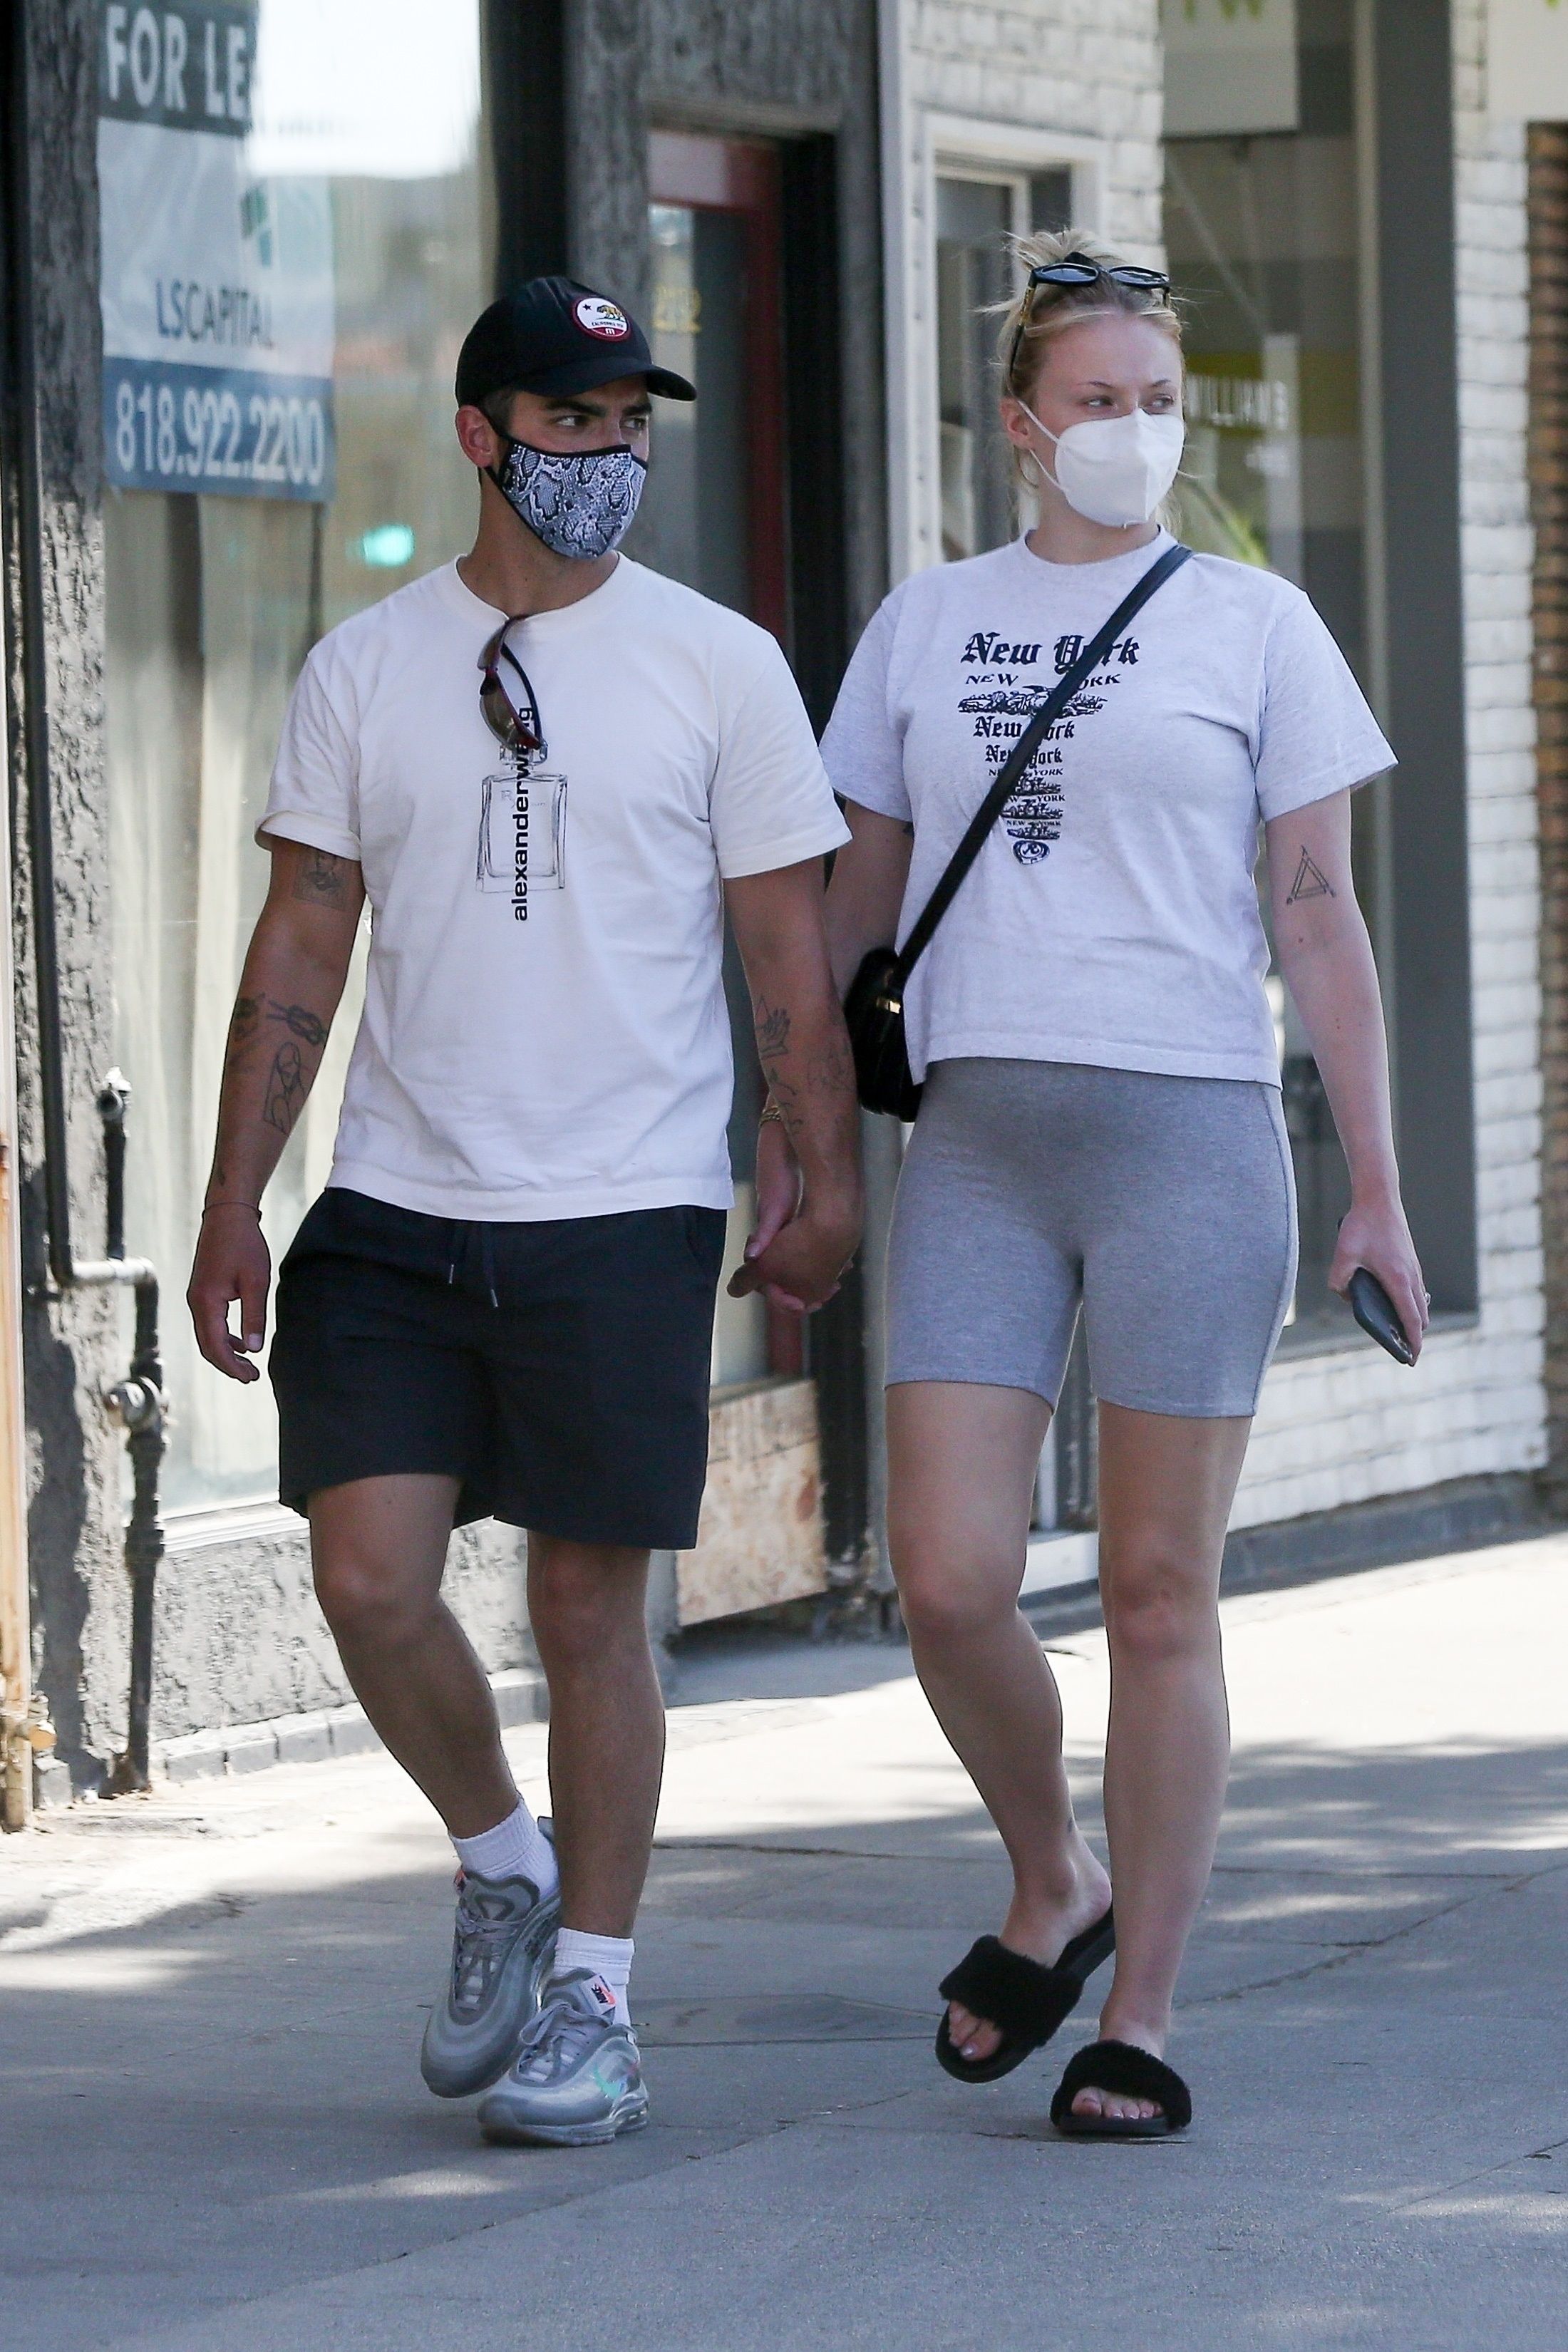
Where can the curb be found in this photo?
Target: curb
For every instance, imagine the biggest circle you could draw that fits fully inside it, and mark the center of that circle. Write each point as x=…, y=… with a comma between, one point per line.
x=314, y=1739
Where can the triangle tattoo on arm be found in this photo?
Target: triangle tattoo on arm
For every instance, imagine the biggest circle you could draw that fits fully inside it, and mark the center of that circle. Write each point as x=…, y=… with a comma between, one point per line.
x=1311, y=882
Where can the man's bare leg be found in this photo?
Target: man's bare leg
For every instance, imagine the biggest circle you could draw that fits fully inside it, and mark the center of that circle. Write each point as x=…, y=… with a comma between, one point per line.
x=606, y=1724
x=379, y=1549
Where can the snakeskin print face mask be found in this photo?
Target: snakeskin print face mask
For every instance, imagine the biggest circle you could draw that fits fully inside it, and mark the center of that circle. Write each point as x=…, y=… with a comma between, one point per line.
x=579, y=503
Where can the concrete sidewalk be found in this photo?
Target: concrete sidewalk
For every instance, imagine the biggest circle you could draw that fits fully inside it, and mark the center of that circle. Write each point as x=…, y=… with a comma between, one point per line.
x=211, y=2001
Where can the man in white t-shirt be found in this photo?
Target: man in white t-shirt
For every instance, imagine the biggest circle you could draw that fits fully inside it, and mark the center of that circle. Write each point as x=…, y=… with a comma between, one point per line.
x=550, y=772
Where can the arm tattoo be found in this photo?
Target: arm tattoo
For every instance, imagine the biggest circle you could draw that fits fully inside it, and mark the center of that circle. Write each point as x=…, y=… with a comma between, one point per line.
x=284, y=1090
x=772, y=1025
x=323, y=880
x=1311, y=882
x=249, y=1011
x=244, y=1022
x=831, y=1072
x=301, y=1021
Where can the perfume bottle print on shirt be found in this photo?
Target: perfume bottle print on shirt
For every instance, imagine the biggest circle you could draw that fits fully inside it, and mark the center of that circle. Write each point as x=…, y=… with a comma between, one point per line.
x=522, y=836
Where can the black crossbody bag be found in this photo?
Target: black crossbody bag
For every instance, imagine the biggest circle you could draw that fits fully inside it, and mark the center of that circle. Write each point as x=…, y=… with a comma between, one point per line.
x=874, y=1008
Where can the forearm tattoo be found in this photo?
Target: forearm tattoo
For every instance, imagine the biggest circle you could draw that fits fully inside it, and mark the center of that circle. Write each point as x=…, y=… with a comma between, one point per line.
x=250, y=1011
x=302, y=1021
x=288, y=1078
x=284, y=1090
x=829, y=1071
x=771, y=1024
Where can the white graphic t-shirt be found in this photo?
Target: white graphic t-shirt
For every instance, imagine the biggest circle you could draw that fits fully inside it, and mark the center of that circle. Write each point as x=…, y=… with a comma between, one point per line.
x=545, y=1031
x=1111, y=917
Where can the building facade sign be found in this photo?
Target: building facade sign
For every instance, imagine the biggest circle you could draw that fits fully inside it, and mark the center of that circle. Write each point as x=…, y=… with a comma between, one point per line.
x=1527, y=61
x=1231, y=65
x=216, y=285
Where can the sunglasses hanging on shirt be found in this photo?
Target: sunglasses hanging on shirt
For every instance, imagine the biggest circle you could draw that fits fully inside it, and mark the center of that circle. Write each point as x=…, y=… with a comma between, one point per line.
x=506, y=699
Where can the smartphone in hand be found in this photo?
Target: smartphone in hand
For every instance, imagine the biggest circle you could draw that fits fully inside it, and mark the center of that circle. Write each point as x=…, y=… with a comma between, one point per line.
x=1373, y=1310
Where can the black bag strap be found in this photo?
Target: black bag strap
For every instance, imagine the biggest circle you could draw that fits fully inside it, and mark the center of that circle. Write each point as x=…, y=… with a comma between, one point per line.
x=1023, y=751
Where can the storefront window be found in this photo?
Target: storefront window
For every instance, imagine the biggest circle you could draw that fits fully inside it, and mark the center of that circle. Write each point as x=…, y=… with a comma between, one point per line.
x=362, y=217
x=976, y=219
x=1262, y=228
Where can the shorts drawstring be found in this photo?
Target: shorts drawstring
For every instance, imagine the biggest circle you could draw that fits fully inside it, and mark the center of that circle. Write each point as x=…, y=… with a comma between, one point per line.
x=460, y=1247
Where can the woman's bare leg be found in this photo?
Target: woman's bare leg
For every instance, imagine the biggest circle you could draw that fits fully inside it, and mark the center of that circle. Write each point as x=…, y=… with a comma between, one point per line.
x=1165, y=1490
x=961, y=1460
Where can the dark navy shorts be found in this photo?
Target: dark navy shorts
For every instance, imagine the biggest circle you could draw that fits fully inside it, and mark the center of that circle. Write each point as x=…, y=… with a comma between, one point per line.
x=559, y=1370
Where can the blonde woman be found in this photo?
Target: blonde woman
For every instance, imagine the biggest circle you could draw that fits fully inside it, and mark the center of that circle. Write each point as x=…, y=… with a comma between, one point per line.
x=1101, y=1127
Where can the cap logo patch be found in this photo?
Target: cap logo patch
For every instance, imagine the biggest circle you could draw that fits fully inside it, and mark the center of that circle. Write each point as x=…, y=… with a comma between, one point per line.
x=597, y=317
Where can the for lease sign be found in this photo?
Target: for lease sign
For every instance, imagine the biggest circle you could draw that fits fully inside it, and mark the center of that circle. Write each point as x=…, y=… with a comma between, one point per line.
x=217, y=286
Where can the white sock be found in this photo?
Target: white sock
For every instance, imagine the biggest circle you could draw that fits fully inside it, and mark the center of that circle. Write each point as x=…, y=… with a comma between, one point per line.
x=608, y=1957
x=515, y=1848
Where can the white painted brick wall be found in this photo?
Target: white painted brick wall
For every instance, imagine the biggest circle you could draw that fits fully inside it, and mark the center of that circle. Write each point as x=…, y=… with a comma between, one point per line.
x=1085, y=68
x=1331, y=1429
x=1020, y=77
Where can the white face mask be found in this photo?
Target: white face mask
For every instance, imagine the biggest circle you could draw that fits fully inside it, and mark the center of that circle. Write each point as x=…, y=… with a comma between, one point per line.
x=1116, y=469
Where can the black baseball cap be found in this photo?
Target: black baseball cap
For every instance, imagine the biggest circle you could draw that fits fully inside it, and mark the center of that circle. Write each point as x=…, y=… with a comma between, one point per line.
x=554, y=335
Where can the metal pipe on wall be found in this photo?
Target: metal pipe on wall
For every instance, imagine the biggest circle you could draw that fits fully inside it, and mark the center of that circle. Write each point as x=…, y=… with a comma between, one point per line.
x=137, y=1399
x=22, y=1720
x=24, y=1723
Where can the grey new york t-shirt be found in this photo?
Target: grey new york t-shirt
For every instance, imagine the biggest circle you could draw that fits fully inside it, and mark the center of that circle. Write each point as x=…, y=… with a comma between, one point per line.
x=1111, y=917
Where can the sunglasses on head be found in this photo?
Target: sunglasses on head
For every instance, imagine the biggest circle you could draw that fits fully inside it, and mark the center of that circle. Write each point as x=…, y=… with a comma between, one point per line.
x=513, y=722
x=1078, y=269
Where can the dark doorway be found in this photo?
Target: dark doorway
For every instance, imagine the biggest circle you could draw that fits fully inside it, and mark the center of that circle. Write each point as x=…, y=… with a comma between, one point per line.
x=716, y=498
x=714, y=516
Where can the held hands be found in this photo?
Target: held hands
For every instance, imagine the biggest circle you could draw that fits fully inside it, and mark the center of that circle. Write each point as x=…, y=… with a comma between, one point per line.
x=800, y=1246
x=232, y=1261
x=1377, y=1237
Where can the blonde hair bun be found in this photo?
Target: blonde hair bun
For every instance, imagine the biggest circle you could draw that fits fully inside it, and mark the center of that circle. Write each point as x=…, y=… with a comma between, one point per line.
x=1041, y=311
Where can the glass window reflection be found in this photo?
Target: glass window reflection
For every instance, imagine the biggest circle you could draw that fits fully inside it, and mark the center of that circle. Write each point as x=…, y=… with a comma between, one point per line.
x=214, y=601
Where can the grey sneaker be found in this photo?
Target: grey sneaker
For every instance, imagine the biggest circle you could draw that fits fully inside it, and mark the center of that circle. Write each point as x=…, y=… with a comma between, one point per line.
x=577, y=2078
x=502, y=1946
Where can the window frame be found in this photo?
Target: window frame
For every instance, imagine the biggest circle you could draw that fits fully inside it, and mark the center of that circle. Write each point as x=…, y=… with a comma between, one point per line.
x=958, y=146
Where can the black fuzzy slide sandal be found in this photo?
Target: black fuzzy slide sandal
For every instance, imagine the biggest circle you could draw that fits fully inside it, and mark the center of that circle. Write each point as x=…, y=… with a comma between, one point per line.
x=1024, y=1999
x=1137, y=2075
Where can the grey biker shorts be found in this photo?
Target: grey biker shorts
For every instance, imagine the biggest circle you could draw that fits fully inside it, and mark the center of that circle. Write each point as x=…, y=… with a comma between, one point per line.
x=1164, y=1204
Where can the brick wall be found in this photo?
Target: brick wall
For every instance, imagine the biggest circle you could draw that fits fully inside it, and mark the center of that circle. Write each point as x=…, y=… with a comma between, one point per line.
x=1075, y=65
x=1335, y=1429
x=1548, y=160
x=1087, y=73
